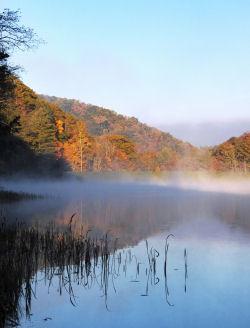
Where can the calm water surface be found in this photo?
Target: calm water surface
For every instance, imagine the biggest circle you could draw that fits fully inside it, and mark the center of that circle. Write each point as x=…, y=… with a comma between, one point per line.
x=207, y=278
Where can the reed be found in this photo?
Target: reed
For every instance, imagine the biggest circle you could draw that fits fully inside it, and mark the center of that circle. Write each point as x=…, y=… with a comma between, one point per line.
x=69, y=255
x=29, y=254
x=186, y=269
x=165, y=270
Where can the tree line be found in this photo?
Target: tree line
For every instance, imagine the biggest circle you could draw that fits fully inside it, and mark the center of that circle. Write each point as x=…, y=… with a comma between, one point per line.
x=41, y=134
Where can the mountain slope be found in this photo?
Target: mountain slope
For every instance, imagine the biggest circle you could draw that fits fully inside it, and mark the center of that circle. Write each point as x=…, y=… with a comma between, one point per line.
x=62, y=134
x=59, y=140
x=101, y=121
x=44, y=136
x=233, y=154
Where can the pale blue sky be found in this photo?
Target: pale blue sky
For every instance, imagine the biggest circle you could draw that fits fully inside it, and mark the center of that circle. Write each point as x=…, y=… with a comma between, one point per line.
x=163, y=61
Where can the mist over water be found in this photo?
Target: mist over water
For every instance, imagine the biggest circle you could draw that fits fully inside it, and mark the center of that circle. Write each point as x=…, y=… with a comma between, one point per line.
x=132, y=208
x=228, y=183
x=207, y=272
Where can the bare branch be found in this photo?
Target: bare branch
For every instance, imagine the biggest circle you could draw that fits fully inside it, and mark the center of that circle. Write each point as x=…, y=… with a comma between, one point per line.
x=13, y=35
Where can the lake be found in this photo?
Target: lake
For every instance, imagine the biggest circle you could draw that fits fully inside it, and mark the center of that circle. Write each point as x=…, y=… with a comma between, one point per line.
x=181, y=256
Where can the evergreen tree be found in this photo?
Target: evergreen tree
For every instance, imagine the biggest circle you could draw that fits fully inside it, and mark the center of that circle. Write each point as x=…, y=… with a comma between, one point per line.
x=39, y=131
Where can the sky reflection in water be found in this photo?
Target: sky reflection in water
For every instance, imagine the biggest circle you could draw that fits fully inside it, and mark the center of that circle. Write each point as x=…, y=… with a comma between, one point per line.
x=212, y=227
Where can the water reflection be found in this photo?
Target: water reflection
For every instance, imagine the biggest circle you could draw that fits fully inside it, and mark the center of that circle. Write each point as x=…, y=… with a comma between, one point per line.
x=132, y=212
x=200, y=275
x=69, y=259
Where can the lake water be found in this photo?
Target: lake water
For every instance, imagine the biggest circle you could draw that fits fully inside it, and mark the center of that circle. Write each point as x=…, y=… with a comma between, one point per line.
x=202, y=280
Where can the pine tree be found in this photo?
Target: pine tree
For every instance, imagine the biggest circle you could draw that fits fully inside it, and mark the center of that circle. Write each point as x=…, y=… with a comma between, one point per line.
x=39, y=131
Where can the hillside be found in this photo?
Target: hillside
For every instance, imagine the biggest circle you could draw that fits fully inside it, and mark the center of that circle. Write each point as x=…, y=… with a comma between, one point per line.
x=101, y=121
x=49, y=134
x=40, y=138
x=233, y=154
x=156, y=149
x=43, y=137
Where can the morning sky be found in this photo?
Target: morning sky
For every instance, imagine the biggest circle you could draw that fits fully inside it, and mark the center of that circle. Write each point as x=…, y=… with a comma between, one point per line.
x=162, y=61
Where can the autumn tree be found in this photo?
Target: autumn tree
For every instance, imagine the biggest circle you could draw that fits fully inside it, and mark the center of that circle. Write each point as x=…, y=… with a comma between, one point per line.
x=225, y=153
x=242, y=151
x=77, y=148
x=166, y=158
x=234, y=154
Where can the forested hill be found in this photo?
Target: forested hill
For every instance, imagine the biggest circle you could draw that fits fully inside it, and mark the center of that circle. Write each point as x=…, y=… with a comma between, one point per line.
x=156, y=150
x=37, y=135
x=47, y=134
x=102, y=121
x=233, y=154
x=40, y=134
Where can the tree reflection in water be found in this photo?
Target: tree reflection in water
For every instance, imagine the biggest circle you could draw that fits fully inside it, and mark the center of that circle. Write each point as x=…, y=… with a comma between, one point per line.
x=72, y=256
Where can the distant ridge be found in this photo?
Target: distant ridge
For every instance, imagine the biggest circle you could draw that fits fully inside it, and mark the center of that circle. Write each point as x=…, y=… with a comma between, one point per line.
x=158, y=149
x=207, y=133
x=56, y=135
x=101, y=121
x=50, y=134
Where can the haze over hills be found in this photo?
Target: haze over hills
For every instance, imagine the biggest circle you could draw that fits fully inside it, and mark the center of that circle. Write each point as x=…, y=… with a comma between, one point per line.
x=232, y=154
x=100, y=121
x=207, y=133
x=65, y=134
x=57, y=134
